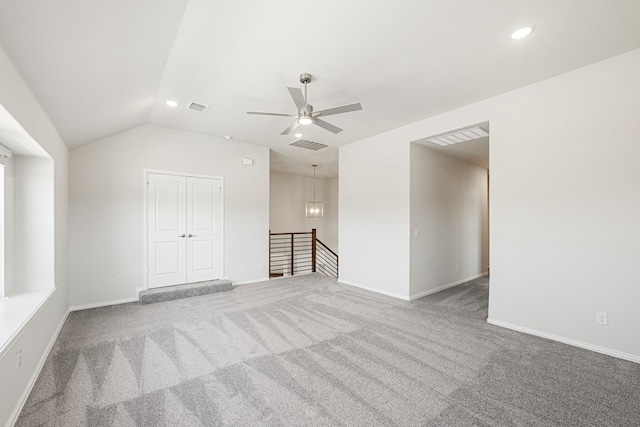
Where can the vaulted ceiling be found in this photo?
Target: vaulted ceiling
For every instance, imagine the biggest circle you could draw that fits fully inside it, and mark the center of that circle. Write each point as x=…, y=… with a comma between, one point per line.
x=101, y=67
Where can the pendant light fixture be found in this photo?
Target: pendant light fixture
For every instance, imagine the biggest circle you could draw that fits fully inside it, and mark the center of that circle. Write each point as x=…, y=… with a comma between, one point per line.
x=314, y=209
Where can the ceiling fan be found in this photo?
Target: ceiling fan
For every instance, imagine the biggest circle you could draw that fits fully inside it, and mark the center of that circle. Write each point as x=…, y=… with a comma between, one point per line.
x=306, y=115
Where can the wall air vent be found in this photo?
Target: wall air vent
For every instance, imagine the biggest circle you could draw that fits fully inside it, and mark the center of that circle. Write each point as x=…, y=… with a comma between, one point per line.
x=309, y=145
x=195, y=106
x=459, y=136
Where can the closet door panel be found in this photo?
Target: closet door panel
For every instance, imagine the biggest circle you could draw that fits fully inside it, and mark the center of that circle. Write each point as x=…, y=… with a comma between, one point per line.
x=166, y=237
x=204, y=261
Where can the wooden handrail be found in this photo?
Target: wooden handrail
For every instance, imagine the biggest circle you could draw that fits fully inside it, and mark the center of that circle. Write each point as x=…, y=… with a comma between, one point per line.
x=286, y=234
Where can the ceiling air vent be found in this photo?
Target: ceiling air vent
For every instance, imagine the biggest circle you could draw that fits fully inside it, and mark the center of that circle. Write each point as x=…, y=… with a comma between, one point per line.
x=459, y=136
x=309, y=145
x=195, y=106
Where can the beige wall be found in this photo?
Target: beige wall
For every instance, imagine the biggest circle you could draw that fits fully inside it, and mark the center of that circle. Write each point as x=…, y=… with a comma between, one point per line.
x=288, y=195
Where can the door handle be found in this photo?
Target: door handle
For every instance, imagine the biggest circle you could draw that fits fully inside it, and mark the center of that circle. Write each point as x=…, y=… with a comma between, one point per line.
x=182, y=235
x=192, y=235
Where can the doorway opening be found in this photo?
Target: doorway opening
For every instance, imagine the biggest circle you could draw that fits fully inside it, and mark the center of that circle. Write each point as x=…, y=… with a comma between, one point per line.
x=449, y=209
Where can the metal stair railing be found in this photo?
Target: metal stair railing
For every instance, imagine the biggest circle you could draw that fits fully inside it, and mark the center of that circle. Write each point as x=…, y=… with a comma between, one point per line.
x=291, y=254
x=326, y=260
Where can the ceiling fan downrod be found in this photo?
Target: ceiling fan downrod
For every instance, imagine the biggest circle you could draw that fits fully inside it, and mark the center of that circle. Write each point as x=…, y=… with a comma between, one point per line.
x=304, y=79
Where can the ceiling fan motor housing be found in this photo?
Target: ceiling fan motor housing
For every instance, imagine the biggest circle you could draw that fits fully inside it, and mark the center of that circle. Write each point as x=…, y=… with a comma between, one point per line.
x=307, y=110
x=305, y=78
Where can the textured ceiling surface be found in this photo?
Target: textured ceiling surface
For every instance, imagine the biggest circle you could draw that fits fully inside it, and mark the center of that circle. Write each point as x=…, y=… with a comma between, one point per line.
x=99, y=68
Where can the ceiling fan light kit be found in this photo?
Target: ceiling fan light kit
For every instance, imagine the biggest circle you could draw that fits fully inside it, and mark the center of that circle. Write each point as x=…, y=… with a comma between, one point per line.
x=306, y=115
x=305, y=119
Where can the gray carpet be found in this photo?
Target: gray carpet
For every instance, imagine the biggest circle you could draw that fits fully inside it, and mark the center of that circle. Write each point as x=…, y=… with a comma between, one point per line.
x=307, y=351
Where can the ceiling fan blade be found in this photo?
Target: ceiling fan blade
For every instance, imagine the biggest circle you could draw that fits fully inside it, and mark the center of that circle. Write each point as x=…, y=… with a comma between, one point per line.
x=338, y=110
x=291, y=128
x=272, y=114
x=327, y=126
x=298, y=97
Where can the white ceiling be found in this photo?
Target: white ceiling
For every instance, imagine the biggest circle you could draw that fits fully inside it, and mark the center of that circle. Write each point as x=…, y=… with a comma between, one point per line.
x=101, y=67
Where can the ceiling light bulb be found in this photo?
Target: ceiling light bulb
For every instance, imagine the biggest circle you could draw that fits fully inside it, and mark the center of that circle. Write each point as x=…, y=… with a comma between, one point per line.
x=298, y=135
x=521, y=33
x=305, y=120
x=172, y=104
x=228, y=137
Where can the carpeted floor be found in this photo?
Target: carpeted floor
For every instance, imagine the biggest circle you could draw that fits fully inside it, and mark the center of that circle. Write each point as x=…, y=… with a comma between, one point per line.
x=308, y=351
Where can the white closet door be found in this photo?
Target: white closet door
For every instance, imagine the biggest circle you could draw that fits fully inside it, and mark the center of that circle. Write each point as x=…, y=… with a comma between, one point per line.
x=167, y=241
x=204, y=248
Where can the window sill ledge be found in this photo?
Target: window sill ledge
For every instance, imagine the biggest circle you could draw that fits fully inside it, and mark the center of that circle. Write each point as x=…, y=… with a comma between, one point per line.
x=17, y=311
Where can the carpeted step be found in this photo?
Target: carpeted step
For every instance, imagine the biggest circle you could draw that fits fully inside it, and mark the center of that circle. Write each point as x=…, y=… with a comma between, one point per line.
x=168, y=293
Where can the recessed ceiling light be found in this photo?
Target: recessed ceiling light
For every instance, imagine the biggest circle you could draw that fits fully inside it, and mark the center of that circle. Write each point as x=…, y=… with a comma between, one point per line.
x=298, y=135
x=521, y=33
x=172, y=104
x=228, y=137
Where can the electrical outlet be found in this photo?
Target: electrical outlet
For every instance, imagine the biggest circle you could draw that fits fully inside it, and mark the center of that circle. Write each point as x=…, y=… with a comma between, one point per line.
x=602, y=318
x=19, y=358
x=262, y=266
x=457, y=267
x=111, y=282
x=416, y=233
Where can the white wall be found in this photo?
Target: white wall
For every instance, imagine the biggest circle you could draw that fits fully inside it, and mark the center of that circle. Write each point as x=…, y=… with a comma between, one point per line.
x=107, y=201
x=17, y=98
x=331, y=191
x=288, y=195
x=33, y=223
x=449, y=214
x=7, y=228
x=565, y=203
x=374, y=215
x=28, y=224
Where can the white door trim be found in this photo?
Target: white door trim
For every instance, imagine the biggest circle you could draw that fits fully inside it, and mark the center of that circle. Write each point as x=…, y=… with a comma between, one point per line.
x=145, y=218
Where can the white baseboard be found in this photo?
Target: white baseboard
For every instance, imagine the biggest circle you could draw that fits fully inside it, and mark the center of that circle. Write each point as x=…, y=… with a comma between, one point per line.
x=569, y=341
x=378, y=291
x=32, y=381
x=443, y=287
x=103, y=304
